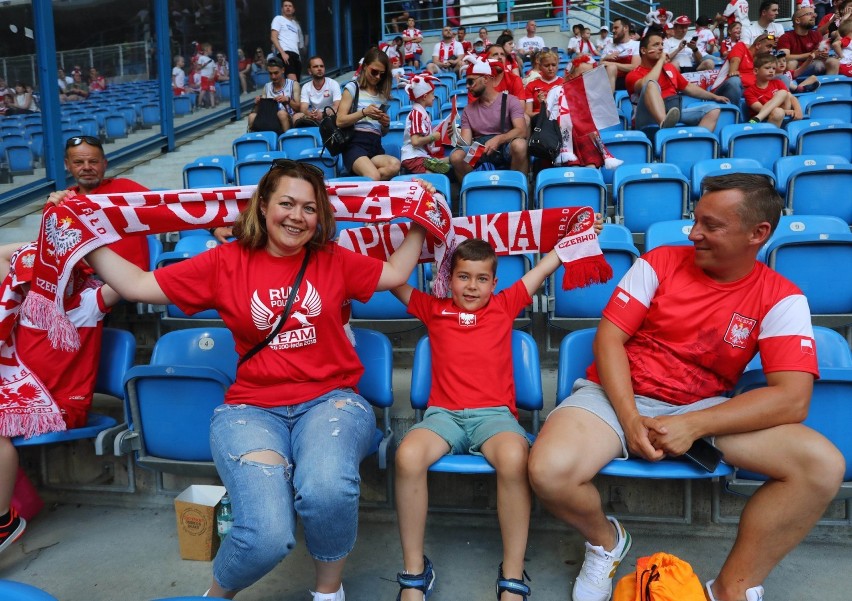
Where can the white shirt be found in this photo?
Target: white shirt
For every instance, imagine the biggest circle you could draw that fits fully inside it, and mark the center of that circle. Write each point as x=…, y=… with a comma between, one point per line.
x=328, y=94
x=628, y=48
x=289, y=33
x=754, y=30
x=682, y=58
x=574, y=43
x=705, y=38
x=179, y=78
x=529, y=44
x=605, y=46
x=208, y=66
x=444, y=51
x=738, y=11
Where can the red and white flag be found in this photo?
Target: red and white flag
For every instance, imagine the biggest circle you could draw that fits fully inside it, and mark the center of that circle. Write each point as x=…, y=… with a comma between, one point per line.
x=591, y=102
x=446, y=128
x=474, y=153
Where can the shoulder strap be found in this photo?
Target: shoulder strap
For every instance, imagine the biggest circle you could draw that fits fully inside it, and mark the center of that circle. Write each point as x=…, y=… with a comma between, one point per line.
x=284, y=314
x=503, y=112
x=354, y=107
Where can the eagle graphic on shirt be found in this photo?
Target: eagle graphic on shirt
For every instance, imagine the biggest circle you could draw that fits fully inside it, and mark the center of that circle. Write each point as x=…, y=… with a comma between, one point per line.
x=264, y=318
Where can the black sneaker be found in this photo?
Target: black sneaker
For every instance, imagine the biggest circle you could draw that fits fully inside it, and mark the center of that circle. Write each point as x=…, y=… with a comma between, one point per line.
x=11, y=531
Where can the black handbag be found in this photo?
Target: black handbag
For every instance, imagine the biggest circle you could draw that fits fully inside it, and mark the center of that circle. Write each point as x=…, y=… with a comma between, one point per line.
x=335, y=138
x=545, y=138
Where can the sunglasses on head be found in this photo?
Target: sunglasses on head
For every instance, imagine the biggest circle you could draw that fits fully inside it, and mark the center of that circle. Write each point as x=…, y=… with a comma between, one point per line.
x=77, y=140
x=298, y=166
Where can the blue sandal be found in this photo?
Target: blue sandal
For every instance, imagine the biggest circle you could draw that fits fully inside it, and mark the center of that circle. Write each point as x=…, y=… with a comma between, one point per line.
x=423, y=582
x=512, y=585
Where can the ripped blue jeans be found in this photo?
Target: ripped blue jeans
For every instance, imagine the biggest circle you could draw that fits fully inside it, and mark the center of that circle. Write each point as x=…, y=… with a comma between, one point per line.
x=322, y=443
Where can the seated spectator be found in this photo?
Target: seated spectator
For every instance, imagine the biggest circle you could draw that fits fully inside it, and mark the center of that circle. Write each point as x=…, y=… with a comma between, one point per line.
x=258, y=64
x=511, y=64
x=179, y=76
x=831, y=22
x=77, y=89
x=586, y=45
x=707, y=41
x=97, y=82
x=447, y=55
x=537, y=89
x=769, y=99
x=483, y=37
x=421, y=145
x=396, y=52
x=62, y=81
x=67, y=377
x=624, y=56
x=789, y=77
x=504, y=147
x=740, y=67
x=530, y=43
x=4, y=89
x=655, y=89
x=244, y=71
x=734, y=32
x=678, y=332
x=461, y=33
x=574, y=42
x=843, y=48
x=604, y=43
x=504, y=80
x=223, y=70
x=24, y=101
x=284, y=91
x=317, y=94
x=804, y=41
x=365, y=154
x=658, y=20
x=684, y=53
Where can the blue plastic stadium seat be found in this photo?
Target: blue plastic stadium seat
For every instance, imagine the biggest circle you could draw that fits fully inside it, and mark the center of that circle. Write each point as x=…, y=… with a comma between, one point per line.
x=760, y=141
x=685, y=146
x=632, y=147
x=647, y=193
x=816, y=185
x=708, y=167
x=528, y=396
x=498, y=191
x=570, y=187
x=295, y=140
x=668, y=233
x=256, y=141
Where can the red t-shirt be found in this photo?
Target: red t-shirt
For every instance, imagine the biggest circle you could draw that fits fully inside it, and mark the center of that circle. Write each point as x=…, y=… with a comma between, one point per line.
x=510, y=83
x=539, y=85
x=670, y=80
x=746, y=68
x=691, y=337
x=249, y=288
x=470, y=351
x=754, y=94
x=132, y=248
x=799, y=44
x=69, y=376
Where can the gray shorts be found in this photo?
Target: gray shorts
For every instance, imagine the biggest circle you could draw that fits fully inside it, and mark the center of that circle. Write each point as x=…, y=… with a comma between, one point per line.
x=468, y=429
x=592, y=397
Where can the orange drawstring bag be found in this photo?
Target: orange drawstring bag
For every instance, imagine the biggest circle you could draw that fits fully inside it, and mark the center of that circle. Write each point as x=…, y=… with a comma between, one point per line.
x=660, y=577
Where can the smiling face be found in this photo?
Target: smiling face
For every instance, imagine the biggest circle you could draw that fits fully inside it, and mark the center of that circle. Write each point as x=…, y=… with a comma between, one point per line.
x=290, y=216
x=472, y=283
x=724, y=246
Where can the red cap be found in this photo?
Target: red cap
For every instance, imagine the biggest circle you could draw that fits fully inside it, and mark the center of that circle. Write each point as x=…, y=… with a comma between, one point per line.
x=682, y=20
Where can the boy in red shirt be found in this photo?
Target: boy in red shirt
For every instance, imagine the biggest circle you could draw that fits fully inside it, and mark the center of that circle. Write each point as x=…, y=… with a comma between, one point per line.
x=469, y=411
x=769, y=99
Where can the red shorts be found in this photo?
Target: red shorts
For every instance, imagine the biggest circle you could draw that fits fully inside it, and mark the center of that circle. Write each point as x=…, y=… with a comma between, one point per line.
x=845, y=70
x=208, y=85
x=178, y=91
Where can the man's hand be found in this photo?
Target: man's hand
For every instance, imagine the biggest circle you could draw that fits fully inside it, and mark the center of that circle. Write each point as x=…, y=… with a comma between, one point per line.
x=56, y=198
x=491, y=145
x=677, y=435
x=720, y=99
x=639, y=432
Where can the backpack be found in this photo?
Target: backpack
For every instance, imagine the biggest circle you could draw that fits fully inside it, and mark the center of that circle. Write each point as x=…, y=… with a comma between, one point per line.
x=266, y=117
x=660, y=577
x=334, y=138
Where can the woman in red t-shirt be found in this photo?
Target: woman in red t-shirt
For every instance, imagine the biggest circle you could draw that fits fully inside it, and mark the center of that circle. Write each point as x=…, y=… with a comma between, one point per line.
x=292, y=421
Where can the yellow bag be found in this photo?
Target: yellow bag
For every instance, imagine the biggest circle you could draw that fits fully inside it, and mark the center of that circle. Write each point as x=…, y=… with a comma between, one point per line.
x=660, y=577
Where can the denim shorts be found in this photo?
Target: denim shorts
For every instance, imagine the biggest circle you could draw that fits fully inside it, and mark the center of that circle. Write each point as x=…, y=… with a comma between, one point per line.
x=362, y=144
x=690, y=115
x=467, y=430
x=592, y=397
x=322, y=443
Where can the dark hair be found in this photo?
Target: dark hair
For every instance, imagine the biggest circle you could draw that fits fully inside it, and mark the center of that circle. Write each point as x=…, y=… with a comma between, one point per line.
x=474, y=249
x=761, y=202
x=702, y=20
x=646, y=39
x=764, y=58
x=315, y=57
x=275, y=62
x=766, y=4
x=624, y=22
x=371, y=56
x=504, y=37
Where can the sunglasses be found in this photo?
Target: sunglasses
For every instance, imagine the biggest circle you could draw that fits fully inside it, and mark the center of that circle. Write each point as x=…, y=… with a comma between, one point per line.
x=298, y=166
x=77, y=140
x=471, y=81
x=376, y=72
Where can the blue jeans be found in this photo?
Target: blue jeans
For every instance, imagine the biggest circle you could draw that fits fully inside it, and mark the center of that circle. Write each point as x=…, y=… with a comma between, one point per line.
x=322, y=443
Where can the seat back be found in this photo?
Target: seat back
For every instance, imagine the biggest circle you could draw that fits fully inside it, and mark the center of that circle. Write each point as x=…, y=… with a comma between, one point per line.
x=570, y=187
x=685, y=146
x=575, y=356
x=376, y=354
x=702, y=169
x=648, y=193
x=760, y=141
x=294, y=141
x=118, y=351
x=248, y=172
x=497, y=191
x=632, y=147
x=785, y=167
x=668, y=233
x=831, y=107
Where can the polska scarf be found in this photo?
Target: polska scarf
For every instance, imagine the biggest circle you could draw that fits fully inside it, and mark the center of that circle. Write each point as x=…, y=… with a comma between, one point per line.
x=82, y=224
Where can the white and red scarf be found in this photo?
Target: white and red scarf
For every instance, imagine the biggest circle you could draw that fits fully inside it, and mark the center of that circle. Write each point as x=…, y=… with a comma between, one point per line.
x=83, y=223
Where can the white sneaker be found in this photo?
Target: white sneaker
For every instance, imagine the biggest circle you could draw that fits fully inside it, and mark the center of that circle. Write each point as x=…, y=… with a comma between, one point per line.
x=754, y=593
x=594, y=582
x=338, y=596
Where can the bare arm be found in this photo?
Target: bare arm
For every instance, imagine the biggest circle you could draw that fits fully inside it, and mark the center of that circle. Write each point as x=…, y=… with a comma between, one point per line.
x=274, y=38
x=397, y=269
x=345, y=118
x=614, y=371
x=6, y=252
x=403, y=293
x=734, y=66
x=126, y=278
x=785, y=400
x=699, y=92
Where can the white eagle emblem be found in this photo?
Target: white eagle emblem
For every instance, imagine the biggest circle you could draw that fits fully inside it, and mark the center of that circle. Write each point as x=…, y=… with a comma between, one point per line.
x=264, y=318
x=61, y=236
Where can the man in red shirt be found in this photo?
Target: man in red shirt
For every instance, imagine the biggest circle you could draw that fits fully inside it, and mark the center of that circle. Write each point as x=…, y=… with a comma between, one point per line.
x=769, y=99
x=655, y=86
x=740, y=66
x=85, y=159
x=677, y=333
x=804, y=41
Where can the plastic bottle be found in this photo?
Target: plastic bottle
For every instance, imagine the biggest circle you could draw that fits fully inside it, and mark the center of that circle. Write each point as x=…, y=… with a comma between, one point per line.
x=224, y=517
